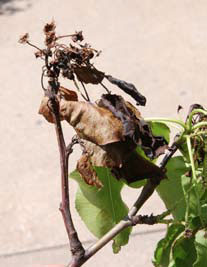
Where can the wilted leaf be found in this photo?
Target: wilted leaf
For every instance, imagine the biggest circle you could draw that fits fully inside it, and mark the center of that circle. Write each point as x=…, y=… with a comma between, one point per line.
x=101, y=209
x=87, y=172
x=128, y=88
x=163, y=249
x=92, y=123
x=170, y=190
x=118, y=107
x=45, y=110
x=88, y=74
x=136, y=168
x=67, y=94
x=134, y=127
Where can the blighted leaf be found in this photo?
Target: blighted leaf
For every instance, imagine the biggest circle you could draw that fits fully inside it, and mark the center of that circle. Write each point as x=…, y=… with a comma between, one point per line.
x=128, y=88
x=91, y=123
x=101, y=209
x=153, y=146
x=67, y=94
x=45, y=110
x=170, y=190
x=163, y=249
x=87, y=172
x=118, y=107
x=136, y=168
x=201, y=249
x=88, y=74
x=134, y=127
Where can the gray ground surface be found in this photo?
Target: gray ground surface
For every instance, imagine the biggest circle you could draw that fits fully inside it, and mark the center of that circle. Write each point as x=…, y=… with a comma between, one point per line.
x=161, y=46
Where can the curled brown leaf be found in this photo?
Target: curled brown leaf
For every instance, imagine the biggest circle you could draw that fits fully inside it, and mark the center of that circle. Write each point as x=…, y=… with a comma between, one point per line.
x=136, y=168
x=67, y=94
x=87, y=172
x=88, y=74
x=128, y=88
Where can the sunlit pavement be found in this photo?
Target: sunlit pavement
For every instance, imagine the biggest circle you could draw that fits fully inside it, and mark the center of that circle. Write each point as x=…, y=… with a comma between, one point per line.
x=161, y=47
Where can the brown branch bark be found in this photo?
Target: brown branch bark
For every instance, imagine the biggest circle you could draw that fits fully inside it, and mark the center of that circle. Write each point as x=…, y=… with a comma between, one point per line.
x=76, y=247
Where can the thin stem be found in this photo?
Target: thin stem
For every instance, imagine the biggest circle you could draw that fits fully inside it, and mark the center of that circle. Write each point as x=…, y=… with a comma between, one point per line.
x=179, y=122
x=195, y=111
x=76, y=85
x=88, y=99
x=191, y=157
x=34, y=46
x=75, y=244
x=199, y=125
x=107, y=90
x=194, y=175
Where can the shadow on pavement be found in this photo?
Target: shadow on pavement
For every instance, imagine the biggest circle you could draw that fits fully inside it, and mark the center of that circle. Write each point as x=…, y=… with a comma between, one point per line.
x=9, y=7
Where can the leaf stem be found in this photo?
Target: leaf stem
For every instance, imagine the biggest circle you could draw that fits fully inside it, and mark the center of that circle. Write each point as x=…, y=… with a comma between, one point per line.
x=195, y=111
x=199, y=125
x=178, y=122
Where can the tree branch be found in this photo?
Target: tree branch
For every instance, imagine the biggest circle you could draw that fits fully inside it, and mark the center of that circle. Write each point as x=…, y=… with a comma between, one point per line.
x=76, y=247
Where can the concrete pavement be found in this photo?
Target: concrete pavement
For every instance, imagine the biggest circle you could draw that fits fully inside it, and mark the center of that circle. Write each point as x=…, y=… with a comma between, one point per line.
x=159, y=46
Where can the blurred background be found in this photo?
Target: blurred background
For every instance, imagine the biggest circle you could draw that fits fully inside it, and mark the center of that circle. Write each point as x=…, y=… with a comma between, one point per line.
x=160, y=46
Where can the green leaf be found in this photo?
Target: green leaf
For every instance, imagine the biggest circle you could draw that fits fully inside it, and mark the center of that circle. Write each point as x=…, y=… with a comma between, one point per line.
x=201, y=249
x=160, y=129
x=101, y=209
x=162, y=252
x=204, y=213
x=183, y=252
x=170, y=190
x=193, y=192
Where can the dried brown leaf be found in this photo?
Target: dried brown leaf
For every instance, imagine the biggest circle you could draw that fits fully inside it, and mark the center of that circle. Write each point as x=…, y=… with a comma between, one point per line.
x=136, y=168
x=87, y=74
x=91, y=122
x=67, y=94
x=87, y=172
x=128, y=88
x=45, y=110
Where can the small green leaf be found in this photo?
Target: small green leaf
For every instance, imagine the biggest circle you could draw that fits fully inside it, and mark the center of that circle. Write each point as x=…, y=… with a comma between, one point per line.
x=204, y=213
x=162, y=252
x=101, y=209
x=170, y=190
x=201, y=249
x=160, y=129
x=193, y=192
x=183, y=252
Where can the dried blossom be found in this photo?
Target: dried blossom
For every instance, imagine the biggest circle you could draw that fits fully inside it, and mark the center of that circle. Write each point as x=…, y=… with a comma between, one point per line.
x=24, y=38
